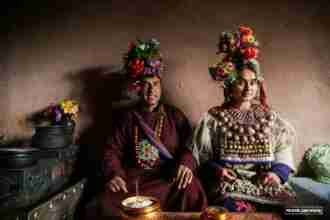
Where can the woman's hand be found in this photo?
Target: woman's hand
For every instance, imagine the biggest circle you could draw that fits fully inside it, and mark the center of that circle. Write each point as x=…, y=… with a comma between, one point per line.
x=226, y=174
x=184, y=177
x=270, y=178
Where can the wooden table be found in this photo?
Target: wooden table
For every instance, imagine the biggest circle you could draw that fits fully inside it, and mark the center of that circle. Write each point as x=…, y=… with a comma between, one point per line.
x=230, y=216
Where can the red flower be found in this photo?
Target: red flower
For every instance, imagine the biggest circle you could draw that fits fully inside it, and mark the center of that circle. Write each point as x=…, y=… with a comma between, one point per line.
x=250, y=53
x=136, y=67
x=245, y=30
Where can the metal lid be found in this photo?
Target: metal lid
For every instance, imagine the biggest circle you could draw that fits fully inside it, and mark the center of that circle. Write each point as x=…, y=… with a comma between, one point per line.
x=17, y=151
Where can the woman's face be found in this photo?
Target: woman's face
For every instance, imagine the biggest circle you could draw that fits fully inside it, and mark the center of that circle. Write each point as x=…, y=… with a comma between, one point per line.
x=245, y=87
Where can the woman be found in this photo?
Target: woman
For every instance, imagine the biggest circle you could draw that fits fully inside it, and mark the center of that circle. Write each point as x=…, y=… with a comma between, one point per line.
x=243, y=146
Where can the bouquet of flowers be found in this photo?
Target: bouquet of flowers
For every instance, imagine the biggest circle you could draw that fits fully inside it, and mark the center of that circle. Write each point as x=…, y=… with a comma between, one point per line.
x=63, y=113
x=143, y=58
x=234, y=49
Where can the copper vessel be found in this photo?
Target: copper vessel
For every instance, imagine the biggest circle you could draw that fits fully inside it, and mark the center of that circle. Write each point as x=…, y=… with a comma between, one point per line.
x=140, y=207
x=214, y=213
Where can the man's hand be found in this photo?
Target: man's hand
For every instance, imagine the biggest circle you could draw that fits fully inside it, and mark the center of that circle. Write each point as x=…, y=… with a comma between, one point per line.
x=117, y=184
x=184, y=177
x=226, y=174
x=270, y=178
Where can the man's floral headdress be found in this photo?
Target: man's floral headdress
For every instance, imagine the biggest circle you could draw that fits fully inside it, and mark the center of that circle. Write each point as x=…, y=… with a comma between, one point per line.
x=143, y=59
x=235, y=49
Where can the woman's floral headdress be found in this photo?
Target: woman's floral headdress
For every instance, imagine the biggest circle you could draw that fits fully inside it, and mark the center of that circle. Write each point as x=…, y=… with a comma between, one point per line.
x=143, y=59
x=235, y=49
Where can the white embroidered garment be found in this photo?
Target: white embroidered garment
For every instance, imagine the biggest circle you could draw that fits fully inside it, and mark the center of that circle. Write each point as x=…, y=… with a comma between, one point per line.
x=243, y=137
x=249, y=143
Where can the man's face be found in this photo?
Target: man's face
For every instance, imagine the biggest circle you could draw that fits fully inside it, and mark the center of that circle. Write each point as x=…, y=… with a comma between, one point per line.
x=245, y=87
x=151, y=90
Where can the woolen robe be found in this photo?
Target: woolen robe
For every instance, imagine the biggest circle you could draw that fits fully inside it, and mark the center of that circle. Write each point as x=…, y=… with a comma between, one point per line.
x=121, y=158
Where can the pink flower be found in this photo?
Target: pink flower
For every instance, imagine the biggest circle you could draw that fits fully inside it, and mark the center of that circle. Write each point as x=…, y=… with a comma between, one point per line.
x=243, y=206
x=154, y=63
x=220, y=72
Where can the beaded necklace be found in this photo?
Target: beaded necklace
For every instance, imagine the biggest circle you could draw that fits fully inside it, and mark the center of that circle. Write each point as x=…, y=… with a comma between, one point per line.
x=158, y=132
x=246, y=134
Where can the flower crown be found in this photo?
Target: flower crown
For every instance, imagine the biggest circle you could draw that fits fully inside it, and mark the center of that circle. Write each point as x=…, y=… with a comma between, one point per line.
x=142, y=59
x=235, y=49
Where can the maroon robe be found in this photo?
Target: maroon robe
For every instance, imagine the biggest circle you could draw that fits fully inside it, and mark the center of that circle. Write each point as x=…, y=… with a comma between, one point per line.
x=120, y=160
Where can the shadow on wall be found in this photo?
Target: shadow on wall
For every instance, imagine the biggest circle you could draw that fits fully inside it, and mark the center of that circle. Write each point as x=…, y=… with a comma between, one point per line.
x=101, y=91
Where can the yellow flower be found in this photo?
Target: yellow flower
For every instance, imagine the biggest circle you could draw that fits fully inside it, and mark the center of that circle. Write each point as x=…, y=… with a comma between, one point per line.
x=75, y=109
x=251, y=39
x=69, y=106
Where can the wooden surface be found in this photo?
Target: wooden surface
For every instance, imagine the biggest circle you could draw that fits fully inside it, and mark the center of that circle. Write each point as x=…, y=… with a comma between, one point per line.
x=230, y=216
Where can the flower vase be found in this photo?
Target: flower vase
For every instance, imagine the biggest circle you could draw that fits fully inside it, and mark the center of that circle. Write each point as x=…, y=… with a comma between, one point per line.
x=53, y=136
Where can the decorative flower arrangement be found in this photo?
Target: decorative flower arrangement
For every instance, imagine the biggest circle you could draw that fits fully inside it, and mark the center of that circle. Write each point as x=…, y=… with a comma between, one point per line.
x=235, y=49
x=143, y=58
x=63, y=113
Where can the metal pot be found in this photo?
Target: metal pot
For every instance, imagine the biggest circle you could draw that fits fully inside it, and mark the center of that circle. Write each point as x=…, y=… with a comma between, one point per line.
x=54, y=136
x=149, y=211
x=18, y=157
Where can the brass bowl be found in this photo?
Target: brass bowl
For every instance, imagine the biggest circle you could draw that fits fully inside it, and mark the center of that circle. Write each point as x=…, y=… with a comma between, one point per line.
x=150, y=210
x=214, y=213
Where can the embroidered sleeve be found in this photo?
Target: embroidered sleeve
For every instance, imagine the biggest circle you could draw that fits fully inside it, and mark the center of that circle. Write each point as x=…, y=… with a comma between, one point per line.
x=284, y=140
x=201, y=143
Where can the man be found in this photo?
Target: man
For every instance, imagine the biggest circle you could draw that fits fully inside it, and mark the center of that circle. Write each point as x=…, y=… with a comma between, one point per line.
x=147, y=148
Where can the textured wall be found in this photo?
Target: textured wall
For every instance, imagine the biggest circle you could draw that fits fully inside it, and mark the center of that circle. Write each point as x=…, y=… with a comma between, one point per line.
x=69, y=50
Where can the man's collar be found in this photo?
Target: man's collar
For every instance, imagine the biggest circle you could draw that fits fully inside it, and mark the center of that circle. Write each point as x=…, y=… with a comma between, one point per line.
x=159, y=108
